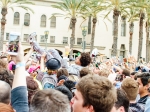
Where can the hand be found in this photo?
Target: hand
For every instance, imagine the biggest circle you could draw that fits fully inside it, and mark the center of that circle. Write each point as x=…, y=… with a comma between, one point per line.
x=20, y=55
x=43, y=55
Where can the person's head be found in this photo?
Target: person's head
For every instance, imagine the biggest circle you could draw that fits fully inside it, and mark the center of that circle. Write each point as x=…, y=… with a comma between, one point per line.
x=6, y=108
x=53, y=65
x=5, y=90
x=83, y=60
x=32, y=87
x=50, y=100
x=130, y=86
x=132, y=75
x=122, y=103
x=69, y=84
x=4, y=58
x=6, y=76
x=125, y=72
x=65, y=91
x=94, y=94
x=84, y=72
x=104, y=72
x=3, y=64
x=62, y=71
x=143, y=81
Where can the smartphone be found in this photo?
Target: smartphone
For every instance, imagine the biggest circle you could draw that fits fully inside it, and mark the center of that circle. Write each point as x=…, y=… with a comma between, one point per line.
x=13, y=45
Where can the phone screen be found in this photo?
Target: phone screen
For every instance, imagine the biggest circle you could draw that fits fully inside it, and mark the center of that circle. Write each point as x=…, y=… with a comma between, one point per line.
x=14, y=39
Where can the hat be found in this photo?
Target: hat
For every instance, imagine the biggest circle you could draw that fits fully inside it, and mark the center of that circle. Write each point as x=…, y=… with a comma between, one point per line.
x=53, y=64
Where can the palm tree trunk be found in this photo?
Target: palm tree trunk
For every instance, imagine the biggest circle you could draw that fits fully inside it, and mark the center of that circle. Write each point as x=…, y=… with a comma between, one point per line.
x=142, y=16
x=115, y=32
x=147, y=42
x=72, y=40
x=93, y=34
x=3, y=22
x=131, y=27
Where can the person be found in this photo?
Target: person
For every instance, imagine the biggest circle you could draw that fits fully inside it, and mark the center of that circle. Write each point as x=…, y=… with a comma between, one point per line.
x=131, y=87
x=49, y=79
x=143, y=81
x=122, y=103
x=32, y=87
x=19, y=99
x=5, y=90
x=94, y=94
x=82, y=61
x=6, y=108
x=84, y=72
x=50, y=100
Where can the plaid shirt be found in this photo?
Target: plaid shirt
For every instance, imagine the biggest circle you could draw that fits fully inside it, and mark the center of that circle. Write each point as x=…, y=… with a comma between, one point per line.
x=137, y=107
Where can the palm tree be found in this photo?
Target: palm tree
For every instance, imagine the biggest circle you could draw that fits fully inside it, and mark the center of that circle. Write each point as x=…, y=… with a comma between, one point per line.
x=147, y=35
x=92, y=8
x=132, y=17
x=117, y=6
x=72, y=9
x=141, y=6
x=5, y=5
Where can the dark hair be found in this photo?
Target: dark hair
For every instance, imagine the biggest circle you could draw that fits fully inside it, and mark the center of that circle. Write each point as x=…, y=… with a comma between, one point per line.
x=62, y=71
x=85, y=59
x=122, y=100
x=6, y=76
x=65, y=91
x=126, y=72
x=1, y=57
x=49, y=100
x=145, y=76
x=84, y=72
x=69, y=84
x=32, y=87
x=97, y=91
x=133, y=73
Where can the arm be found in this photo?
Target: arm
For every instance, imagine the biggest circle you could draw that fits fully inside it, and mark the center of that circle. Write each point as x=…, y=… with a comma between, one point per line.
x=19, y=99
x=28, y=55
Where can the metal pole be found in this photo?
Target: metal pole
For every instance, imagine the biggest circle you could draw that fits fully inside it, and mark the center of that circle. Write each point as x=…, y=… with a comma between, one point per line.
x=83, y=42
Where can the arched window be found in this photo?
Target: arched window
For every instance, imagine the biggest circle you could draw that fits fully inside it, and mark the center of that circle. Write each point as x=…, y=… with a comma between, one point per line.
x=53, y=22
x=43, y=21
x=123, y=26
x=16, y=18
x=27, y=19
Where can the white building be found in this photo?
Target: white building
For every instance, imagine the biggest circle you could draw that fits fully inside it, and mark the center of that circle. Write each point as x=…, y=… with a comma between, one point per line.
x=26, y=22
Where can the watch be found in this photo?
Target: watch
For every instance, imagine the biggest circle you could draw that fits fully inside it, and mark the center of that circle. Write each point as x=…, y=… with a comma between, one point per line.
x=20, y=65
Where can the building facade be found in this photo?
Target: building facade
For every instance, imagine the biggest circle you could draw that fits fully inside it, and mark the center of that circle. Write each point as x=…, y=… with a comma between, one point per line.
x=59, y=30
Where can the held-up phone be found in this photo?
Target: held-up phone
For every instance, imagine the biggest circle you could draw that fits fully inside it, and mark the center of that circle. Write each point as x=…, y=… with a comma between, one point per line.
x=13, y=45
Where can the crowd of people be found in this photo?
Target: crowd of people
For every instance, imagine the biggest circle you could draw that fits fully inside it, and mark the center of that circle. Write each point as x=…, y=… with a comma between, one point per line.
x=30, y=84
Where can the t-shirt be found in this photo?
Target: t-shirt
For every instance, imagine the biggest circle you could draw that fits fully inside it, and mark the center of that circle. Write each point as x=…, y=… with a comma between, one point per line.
x=19, y=99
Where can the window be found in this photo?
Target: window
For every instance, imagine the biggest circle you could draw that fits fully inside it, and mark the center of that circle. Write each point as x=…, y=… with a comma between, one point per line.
x=123, y=26
x=53, y=22
x=16, y=18
x=27, y=19
x=52, y=39
x=7, y=36
x=79, y=40
x=89, y=25
x=25, y=37
x=42, y=38
x=122, y=51
x=43, y=21
x=65, y=40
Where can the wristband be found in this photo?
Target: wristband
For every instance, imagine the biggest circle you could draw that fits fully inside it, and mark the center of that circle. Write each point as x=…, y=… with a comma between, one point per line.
x=20, y=65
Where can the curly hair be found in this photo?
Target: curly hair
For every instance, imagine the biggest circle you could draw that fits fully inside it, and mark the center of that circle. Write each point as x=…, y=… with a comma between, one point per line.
x=32, y=86
x=85, y=59
x=6, y=76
